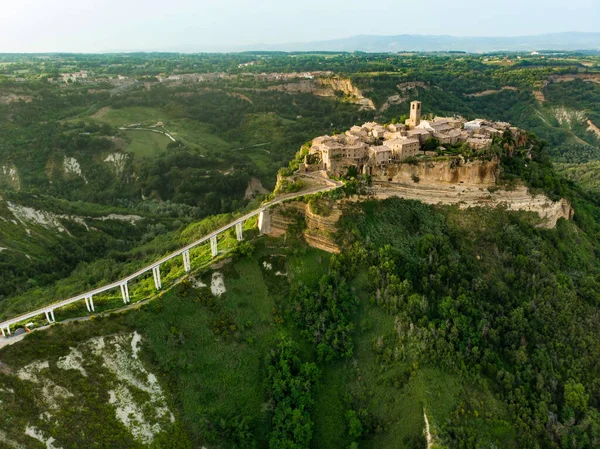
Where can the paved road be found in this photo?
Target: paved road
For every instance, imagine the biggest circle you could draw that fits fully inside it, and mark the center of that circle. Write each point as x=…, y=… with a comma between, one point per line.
x=331, y=185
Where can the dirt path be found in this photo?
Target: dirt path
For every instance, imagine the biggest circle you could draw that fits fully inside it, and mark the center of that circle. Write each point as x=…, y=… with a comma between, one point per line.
x=427, y=432
x=124, y=128
x=544, y=119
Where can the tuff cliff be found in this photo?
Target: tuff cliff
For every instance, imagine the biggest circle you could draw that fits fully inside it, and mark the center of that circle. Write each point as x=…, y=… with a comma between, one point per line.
x=345, y=85
x=327, y=87
x=317, y=229
x=468, y=184
x=516, y=199
x=479, y=173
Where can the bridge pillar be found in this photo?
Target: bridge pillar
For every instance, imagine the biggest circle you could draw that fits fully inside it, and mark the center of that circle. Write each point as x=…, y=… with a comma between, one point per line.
x=50, y=316
x=239, y=231
x=6, y=332
x=89, y=303
x=157, y=280
x=125, y=292
x=264, y=222
x=186, y=261
x=214, y=250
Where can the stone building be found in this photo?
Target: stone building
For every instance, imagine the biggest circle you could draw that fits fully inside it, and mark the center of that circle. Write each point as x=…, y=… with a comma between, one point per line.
x=376, y=145
x=474, y=125
x=403, y=148
x=380, y=155
x=415, y=114
x=452, y=137
x=422, y=135
x=479, y=143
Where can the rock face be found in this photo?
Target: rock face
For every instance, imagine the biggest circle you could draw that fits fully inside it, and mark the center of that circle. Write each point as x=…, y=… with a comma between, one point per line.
x=593, y=128
x=9, y=177
x=320, y=229
x=285, y=215
x=477, y=173
x=327, y=87
x=317, y=230
x=254, y=188
x=439, y=183
x=519, y=199
x=558, y=209
x=345, y=85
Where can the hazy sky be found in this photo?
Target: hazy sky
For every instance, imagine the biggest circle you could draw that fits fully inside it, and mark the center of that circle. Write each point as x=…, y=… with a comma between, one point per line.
x=204, y=25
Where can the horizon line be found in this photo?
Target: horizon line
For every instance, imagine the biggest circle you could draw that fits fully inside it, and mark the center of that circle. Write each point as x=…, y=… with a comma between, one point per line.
x=263, y=47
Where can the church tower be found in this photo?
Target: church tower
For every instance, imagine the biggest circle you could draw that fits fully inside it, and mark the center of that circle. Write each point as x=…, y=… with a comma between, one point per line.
x=415, y=114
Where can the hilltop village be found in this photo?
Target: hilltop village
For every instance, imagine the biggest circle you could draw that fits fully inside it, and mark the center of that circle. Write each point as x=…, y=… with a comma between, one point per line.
x=374, y=146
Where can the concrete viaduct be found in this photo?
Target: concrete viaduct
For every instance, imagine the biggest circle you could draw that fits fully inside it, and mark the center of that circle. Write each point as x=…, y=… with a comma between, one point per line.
x=264, y=226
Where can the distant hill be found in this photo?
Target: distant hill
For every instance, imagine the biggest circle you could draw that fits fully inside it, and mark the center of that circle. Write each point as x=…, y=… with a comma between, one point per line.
x=407, y=42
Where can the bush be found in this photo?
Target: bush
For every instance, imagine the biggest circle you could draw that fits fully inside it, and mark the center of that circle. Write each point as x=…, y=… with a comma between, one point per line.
x=286, y=186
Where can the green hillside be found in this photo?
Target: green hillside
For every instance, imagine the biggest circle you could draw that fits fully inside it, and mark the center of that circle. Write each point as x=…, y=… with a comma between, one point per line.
x=430, y=310
x=473, y=323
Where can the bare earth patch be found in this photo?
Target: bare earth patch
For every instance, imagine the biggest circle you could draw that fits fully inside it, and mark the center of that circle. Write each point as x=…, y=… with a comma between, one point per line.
x=217, y=284
x=134, y=394
x=8, y=98
x=490, y=92
x=593, y=128
x=101, y=112
x=254, y=188
x=539, y=96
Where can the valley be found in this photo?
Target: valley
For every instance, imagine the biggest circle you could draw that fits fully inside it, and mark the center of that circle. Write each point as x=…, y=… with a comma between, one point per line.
x=400, y=281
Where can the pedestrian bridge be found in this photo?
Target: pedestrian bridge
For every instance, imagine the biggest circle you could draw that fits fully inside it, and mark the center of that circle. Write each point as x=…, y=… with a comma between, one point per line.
x=264, y=226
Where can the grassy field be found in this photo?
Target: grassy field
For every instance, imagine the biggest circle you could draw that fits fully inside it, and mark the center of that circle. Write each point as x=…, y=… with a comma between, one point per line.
x=196, y=135
x=215, y=346
x=130, y=116
x=192, y=134
x=146, y=143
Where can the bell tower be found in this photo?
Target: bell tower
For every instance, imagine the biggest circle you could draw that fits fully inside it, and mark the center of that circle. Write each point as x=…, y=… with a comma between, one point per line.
x=415, y=114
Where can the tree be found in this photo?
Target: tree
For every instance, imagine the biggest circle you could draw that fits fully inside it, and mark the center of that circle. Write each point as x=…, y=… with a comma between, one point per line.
x=431, y=144
x=575, y=396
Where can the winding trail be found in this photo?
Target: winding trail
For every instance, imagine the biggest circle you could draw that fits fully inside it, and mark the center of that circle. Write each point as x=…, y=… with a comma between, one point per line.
x=427, y=432
x=164, y=133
